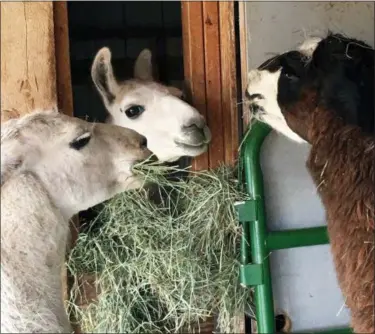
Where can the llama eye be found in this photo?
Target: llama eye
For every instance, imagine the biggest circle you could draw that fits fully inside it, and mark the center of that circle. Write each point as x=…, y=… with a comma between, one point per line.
x=134, y=111
x=81, y=141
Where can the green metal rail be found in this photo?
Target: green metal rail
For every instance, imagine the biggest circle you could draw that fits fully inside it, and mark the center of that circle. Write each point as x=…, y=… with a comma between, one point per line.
x=257, y=242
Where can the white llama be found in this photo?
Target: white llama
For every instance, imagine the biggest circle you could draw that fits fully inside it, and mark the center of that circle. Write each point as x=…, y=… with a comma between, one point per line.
x=52, y=167
x=172, y=127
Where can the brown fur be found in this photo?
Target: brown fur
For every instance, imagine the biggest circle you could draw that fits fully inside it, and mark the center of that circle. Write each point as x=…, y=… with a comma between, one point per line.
x=341, y=163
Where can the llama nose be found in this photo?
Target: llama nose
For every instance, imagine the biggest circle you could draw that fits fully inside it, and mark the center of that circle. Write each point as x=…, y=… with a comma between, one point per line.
x=143, y=143
x=195, y=123
x=192, y=128
x=201, y=134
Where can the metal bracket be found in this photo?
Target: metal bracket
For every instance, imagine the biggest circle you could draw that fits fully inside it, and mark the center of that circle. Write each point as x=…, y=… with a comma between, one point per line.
x=251, y=274
x=247, y=210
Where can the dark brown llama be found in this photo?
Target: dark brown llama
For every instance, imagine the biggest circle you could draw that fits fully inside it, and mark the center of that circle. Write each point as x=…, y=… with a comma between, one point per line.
x=324, y=96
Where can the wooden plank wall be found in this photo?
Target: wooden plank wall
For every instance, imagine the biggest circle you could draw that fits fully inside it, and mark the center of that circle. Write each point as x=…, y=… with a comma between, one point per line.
x=35, y=69
x=63, y=74
x=210, y=75
x=28, y=72
x=210, y=78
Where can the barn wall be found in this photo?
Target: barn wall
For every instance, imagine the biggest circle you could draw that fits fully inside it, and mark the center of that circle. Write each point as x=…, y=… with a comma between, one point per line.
x=28, y=73
x=34, y=62
x=210, y=75
x=305, y=284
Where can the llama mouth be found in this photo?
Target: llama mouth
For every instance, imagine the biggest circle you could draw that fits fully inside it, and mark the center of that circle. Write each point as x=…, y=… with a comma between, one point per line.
x=192, y=150
x=191, y=146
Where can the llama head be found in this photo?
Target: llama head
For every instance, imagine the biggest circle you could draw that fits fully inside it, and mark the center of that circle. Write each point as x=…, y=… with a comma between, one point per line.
x=335, y=72
x=172, y=127
x=80, y=164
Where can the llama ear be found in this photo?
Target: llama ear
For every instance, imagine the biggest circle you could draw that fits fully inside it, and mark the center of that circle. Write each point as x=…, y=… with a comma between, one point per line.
x=12, y=152
x=102, y=76
x=175, y=92
x=143, y=65
x=9, y=165
x=17, y=154
x=17, y=150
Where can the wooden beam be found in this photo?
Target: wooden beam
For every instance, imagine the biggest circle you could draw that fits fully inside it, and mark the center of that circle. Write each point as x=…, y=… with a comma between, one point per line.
x=63, y=71
x=211, y=28
x=28, y=75
x=210, y=75
x=194, y=62
x=228, y=81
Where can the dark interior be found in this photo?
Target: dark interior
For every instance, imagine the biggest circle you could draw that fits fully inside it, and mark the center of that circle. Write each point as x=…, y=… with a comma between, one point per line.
x=126, y=27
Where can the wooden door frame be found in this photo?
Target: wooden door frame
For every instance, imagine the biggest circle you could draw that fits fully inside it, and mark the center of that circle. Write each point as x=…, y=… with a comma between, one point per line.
x=211, y=70
x=35, y=68
x=209, y=48
x=28, y=73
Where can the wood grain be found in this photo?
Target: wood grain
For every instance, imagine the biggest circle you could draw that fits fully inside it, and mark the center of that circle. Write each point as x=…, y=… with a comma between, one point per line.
x=213, y=80
x=62, y=52
x=28, y=65
x=228, y=81
x=194, y=63
x=28, y=75
x=210, y=75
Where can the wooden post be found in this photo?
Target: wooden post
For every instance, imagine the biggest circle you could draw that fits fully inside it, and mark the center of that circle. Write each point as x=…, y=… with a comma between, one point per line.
x=210, y=75
x=35, y=68
x=28, y=70
x=194, y=66
x=62, y=54
x=208, y=32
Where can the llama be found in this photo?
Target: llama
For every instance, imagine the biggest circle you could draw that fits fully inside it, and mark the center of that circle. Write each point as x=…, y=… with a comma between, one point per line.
x=323, y=94
x=172, y=127
x=52, y=167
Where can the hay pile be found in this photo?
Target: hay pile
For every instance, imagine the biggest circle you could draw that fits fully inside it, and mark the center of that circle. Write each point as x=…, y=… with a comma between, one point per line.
x=162, y=267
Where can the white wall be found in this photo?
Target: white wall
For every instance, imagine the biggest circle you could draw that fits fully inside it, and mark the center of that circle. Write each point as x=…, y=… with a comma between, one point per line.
x=304, y=280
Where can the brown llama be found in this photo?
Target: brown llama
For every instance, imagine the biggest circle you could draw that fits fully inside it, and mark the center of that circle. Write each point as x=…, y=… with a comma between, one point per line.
x=324, y=95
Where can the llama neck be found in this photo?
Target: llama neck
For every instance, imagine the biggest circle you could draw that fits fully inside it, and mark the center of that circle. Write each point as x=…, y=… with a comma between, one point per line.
x=33, y=242
x=337, y=150
x=30, y=222
x=341, y=159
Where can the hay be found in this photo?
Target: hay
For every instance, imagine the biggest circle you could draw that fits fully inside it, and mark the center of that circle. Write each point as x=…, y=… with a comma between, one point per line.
x=163, y=267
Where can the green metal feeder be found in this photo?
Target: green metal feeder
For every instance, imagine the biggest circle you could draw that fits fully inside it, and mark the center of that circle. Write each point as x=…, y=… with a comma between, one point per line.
x=258, y=242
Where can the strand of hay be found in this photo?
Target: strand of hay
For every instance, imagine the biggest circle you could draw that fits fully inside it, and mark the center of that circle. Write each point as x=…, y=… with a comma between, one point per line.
x=163, y=267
